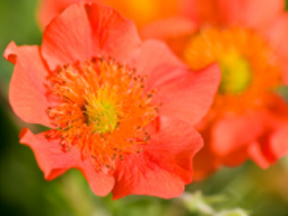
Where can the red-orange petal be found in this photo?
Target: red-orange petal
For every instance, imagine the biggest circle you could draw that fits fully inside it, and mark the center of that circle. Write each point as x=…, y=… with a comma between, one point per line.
x=232, y=133
x=27, y=91
x=155, y=59
x=270, y=147
x=68, y=37
x=118, y=39
x=164, y=166
x=279, y=143
x=54, y=162
x=189, y=97
x=78, y=34
x=255, y=152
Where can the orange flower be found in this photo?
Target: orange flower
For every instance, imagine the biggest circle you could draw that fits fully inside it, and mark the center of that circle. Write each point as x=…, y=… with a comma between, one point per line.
x=248, y=39
x=140, y=11
x=117, y=108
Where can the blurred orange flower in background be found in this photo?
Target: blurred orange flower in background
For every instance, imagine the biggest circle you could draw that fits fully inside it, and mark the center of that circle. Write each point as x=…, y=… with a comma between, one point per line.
x=247, y=38
x=117, y=108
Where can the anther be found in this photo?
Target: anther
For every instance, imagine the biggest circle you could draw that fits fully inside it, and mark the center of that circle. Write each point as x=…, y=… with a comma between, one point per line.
x=146, y=138
x=140, y=151
x=121, y=157
x=97, y=99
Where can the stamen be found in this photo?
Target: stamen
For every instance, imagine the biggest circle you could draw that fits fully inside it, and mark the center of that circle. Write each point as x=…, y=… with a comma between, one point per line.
x=101, y=109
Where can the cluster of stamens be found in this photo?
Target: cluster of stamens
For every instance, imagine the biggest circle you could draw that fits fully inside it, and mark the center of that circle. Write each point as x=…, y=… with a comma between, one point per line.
x=101, y=108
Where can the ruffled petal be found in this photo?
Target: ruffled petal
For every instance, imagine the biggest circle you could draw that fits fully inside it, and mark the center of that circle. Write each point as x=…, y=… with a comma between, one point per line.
x=272, y=144
x=260, y=150
x=270, y=147
x=252, y=13
x=189, y=97
x=86, y=30
x=234, y=132
x=278, y=146
x=100, y=183
x=158, y=64
x=255, y=152
x=54, y=162
x=27, y=91
x=164, y=166
x=68, y=37
x=112, y=35
x=177, y=87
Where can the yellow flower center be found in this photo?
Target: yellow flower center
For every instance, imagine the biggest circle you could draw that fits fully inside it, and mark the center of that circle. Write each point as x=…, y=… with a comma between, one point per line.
x=101, y=108
x=236, y=73
x=249, y=66
x=102, y=112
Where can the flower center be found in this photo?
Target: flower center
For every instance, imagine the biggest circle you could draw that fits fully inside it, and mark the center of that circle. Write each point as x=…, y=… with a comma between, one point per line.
x=249, y=66
x=102, y=112
x=236, y=73
x=101, y=108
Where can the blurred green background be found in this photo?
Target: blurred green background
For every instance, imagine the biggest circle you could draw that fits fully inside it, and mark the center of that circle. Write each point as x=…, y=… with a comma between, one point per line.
x=23, y=190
